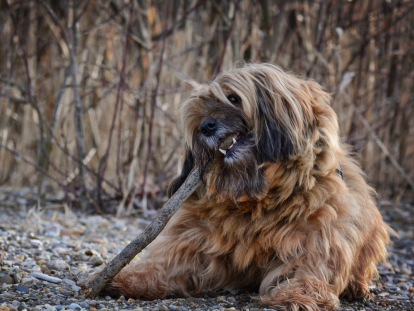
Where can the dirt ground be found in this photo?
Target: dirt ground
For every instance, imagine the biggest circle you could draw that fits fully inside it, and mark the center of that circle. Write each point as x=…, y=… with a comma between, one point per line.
x=47, y=255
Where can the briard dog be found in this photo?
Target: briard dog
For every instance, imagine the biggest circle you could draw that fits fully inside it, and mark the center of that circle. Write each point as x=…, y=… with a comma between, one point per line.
x=283, y=208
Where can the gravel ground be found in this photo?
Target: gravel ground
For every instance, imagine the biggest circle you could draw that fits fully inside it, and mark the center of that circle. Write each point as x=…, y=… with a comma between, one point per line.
x=45, y=258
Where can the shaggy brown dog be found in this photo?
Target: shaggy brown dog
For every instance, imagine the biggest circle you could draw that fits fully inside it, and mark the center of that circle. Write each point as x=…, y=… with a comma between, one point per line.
x=274, y=213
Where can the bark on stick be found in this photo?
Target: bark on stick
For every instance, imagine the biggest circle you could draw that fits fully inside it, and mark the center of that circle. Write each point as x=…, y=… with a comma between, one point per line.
x=145, y=238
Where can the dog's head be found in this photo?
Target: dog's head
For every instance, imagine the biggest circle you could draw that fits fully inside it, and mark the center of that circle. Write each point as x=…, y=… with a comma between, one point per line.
x=249, y=119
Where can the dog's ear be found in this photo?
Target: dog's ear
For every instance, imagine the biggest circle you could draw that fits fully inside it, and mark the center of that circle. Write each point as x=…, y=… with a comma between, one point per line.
x=273, y=144
x=187, y=168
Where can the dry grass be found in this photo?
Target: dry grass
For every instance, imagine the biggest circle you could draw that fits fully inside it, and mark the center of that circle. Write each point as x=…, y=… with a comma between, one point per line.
x=101, y=81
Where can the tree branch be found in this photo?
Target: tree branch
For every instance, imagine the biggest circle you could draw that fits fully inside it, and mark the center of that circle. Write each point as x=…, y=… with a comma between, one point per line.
x=145, y=238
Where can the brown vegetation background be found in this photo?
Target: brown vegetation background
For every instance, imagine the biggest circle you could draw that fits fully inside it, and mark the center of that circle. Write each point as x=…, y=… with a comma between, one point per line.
x=89, y=90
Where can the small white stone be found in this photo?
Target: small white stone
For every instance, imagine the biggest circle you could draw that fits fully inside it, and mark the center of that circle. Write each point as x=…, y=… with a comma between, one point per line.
x=36, y=243
x=69, y=282
x=59, y=265
x=26, y=280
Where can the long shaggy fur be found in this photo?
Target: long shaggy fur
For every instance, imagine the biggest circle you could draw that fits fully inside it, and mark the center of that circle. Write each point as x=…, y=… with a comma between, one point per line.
x=272, y=214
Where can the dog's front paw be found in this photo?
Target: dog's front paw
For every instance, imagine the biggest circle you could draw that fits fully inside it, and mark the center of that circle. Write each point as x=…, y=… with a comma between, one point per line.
x=301, y=295
x=144, y=280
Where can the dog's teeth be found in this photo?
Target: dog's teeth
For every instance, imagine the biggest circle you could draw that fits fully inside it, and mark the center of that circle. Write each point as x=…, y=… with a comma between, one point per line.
x=223, y=151
x=234, y=140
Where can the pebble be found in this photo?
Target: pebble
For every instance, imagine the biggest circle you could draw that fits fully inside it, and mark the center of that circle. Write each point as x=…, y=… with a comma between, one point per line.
x=6, y=279
x=26, y=280
x=17, y=277
x=74, y=306
x=162, y=307
x=64, y=292
x=59, y=265
x=97, y=261
x=36, y=243
x=76, y=288
x=46, y=277
x=22, y=289
x=69, y=282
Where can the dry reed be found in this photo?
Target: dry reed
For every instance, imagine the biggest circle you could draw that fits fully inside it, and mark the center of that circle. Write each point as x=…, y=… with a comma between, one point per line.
x=89, y=89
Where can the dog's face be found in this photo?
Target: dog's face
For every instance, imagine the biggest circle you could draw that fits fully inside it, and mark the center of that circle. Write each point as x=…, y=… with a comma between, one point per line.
x=245, y=120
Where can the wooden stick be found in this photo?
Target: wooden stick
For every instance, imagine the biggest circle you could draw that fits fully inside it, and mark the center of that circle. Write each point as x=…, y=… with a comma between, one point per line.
x=145, y=238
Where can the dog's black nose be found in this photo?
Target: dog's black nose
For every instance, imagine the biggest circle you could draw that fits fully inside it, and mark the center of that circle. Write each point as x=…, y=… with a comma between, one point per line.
x=209, y=127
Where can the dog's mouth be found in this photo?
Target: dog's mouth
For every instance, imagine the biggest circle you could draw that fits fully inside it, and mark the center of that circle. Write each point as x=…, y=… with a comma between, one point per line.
x=231, y=143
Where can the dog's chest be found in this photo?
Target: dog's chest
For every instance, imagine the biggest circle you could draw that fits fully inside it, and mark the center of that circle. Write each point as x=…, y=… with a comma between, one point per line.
x=245, y=238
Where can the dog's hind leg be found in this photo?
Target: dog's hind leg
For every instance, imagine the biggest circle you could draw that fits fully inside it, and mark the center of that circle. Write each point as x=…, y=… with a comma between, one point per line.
x=364, y=267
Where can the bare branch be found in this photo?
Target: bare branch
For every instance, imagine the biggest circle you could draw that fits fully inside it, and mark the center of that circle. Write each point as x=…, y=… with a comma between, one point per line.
x=27, y=160
x=153, y=105
x=12, y=83
x=220, y=62
x=145, y=238
x=77, y=101
x=17, y=100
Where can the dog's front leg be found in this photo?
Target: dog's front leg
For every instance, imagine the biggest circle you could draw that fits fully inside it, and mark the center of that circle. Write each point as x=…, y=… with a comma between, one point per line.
x=163, y=271
x=174, y=263
x=304, y=291
x=144, y=279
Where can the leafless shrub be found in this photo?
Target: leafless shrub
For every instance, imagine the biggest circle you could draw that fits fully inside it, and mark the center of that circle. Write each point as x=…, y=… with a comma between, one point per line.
x=89, y=89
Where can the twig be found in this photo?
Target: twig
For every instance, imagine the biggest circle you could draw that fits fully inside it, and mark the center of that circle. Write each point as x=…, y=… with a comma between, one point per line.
x=48, y=143
x=56, y=105
x=220, y=62
x=72, y=45
x=16, y=100
x=365, y=42
x=32, y=97
x=103, y=162
x=120, y=93
x=12, y=83
x=275, y=25
x=384, y=149
x=56, y=19
x=46, y=173
x=27, y=160
x=170, y=31
x=153, y=105
x=381, y=144
x=85, y=162
x=65, y=150
x=150, y=233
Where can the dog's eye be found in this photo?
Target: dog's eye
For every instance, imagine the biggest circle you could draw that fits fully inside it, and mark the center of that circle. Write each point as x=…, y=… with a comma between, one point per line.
x=234, y=99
